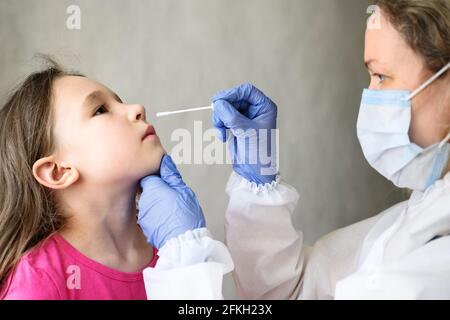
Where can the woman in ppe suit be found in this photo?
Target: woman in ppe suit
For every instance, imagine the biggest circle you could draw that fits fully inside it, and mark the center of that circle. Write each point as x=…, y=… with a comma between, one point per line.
x=403, y=128
x=401, y=253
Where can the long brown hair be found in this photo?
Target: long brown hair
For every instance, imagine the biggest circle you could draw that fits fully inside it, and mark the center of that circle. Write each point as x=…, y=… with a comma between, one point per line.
x=28, y=212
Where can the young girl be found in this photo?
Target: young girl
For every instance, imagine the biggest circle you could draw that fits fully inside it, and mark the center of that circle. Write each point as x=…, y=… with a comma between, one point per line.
x=71, y=156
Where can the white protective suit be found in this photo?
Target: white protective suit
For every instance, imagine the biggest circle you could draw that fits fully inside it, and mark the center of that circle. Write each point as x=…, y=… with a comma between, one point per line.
x=402, y=253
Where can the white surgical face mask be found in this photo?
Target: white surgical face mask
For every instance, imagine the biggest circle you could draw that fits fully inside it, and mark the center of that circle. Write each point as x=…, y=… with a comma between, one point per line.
x=382, y=128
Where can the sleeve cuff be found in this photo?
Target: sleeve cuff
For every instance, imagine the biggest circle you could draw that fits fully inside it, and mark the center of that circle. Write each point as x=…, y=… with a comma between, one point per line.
x=192, y=247
x=275, y=193
x=190, y=266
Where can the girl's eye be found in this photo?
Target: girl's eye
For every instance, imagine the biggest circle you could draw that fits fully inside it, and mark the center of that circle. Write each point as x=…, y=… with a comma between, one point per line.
x=100, y=110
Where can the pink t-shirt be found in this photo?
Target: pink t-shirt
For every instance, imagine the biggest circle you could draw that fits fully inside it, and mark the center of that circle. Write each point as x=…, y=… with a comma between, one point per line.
x=56, y=270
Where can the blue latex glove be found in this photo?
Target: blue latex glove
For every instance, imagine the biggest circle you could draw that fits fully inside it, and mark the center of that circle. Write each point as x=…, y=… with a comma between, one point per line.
x=167, y=206
x=246, y=111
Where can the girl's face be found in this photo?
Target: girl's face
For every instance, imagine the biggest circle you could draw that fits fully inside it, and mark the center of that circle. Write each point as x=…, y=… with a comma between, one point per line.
x=100, y=136
x=393, y=64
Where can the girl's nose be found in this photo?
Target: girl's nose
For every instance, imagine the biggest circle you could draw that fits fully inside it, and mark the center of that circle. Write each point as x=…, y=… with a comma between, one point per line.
x=137, y=112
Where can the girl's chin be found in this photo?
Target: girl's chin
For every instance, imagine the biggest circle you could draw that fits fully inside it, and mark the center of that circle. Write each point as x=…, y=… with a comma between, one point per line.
x=156, y=163
x=161, y=153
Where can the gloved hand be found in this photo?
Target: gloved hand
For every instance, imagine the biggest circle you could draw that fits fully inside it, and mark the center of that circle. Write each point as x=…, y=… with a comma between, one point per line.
x=167, y=206
x=252, y=117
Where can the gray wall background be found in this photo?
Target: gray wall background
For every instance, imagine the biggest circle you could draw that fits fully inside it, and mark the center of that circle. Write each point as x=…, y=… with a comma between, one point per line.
x=306, y=55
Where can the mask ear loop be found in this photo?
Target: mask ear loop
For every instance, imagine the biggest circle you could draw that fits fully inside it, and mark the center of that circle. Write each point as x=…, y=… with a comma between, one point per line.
x=428, y=82
x=444, y=141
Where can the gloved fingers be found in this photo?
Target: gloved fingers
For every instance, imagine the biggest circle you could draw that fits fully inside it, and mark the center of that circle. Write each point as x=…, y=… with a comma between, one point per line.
x=248, y=99
x=226, y=116
x=244, y=92
x=151, y=182
x=170, y=174
x=153, y=187
x=193, y=210
x=220, y=127
x=160, y=235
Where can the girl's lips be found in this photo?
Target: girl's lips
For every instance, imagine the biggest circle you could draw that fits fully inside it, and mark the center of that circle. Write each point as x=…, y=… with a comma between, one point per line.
x=149, y=132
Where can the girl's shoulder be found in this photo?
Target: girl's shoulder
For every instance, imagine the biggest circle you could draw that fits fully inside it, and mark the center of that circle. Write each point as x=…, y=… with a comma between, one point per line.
x=37, y=274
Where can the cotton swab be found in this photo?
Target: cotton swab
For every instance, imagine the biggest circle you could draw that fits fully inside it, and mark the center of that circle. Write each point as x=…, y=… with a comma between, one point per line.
x=167, y=113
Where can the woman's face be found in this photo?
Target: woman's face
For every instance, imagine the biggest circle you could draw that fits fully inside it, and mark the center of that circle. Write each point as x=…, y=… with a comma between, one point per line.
x=393, y=64
x=101, y=136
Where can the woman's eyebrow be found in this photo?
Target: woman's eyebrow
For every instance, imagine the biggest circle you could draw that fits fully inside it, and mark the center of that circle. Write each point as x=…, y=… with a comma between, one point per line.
x=380, y=66
x=369, y=63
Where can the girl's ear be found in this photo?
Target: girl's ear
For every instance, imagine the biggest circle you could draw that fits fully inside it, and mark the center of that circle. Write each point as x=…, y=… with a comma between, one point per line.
x=51, y=174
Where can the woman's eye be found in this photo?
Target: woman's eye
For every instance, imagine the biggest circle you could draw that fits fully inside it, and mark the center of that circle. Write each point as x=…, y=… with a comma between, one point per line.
x=380, y=77
x=100, y=110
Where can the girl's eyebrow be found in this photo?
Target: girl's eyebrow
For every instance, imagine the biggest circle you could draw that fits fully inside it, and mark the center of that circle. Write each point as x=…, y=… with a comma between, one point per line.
x=91, y=97
x=117, y=97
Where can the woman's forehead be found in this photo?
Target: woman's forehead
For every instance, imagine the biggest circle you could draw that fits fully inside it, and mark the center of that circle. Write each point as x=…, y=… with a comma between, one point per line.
x=386, y=47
